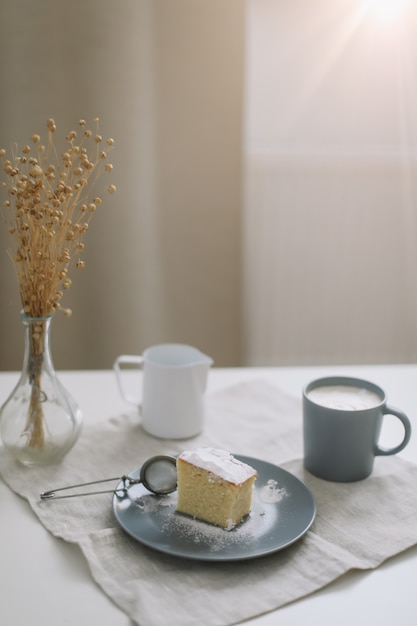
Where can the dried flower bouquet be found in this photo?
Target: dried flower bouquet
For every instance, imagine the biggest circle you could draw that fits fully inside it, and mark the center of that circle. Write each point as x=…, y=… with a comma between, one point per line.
x=49, y=206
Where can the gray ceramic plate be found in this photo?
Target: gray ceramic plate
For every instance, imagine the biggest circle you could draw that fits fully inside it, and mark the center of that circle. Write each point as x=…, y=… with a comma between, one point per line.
x=283, y=510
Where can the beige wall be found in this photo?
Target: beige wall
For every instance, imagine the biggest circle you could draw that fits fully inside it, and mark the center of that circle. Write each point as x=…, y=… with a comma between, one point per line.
x=163, y=255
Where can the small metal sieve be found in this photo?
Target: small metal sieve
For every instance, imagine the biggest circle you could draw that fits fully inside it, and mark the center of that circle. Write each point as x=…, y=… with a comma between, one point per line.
x=158, y=475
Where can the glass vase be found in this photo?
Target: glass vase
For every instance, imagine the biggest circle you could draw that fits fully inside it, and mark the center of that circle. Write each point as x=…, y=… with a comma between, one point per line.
x=40, y=421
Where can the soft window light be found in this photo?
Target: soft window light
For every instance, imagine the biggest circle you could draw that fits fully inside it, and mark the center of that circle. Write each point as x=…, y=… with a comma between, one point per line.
x=386, y=10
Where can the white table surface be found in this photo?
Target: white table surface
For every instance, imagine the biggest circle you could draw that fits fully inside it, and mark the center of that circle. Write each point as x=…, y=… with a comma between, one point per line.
x=45, y=581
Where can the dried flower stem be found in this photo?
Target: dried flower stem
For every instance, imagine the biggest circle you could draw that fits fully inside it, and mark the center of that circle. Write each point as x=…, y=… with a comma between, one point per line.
x=47, y=212
x=35, y=430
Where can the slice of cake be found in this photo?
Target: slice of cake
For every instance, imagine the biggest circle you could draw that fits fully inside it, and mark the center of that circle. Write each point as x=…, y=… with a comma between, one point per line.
x=214, y=487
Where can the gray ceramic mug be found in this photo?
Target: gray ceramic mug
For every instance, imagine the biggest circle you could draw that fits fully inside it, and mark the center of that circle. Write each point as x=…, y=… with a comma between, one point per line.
x=342, y=420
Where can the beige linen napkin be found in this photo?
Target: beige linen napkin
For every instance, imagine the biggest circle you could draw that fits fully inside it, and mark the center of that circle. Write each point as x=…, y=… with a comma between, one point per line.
x=358, y=525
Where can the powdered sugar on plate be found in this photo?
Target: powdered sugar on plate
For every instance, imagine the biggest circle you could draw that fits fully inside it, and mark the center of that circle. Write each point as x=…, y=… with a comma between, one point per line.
x=153, y=504
x=271, y=492
x=214, y=538
x=258, y=523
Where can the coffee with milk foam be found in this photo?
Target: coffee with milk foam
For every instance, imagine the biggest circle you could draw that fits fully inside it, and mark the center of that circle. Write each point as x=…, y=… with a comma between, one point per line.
x=344, y=397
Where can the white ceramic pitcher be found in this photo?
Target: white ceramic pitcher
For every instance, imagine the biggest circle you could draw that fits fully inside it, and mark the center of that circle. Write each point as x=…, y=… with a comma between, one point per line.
x=174, y=382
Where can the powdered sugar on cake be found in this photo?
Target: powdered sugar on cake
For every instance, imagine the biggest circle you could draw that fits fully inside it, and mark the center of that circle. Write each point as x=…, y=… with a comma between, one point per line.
x=220, y=463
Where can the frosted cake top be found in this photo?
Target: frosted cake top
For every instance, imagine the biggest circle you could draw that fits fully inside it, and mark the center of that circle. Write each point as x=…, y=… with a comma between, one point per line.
x=220, y=463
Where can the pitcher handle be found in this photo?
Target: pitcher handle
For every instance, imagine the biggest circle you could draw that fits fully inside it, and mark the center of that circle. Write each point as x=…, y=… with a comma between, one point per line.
x=126, y=359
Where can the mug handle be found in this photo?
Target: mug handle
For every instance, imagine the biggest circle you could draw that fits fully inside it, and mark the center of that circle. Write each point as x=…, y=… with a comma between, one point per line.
x=389, y=410
x=126, y=359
